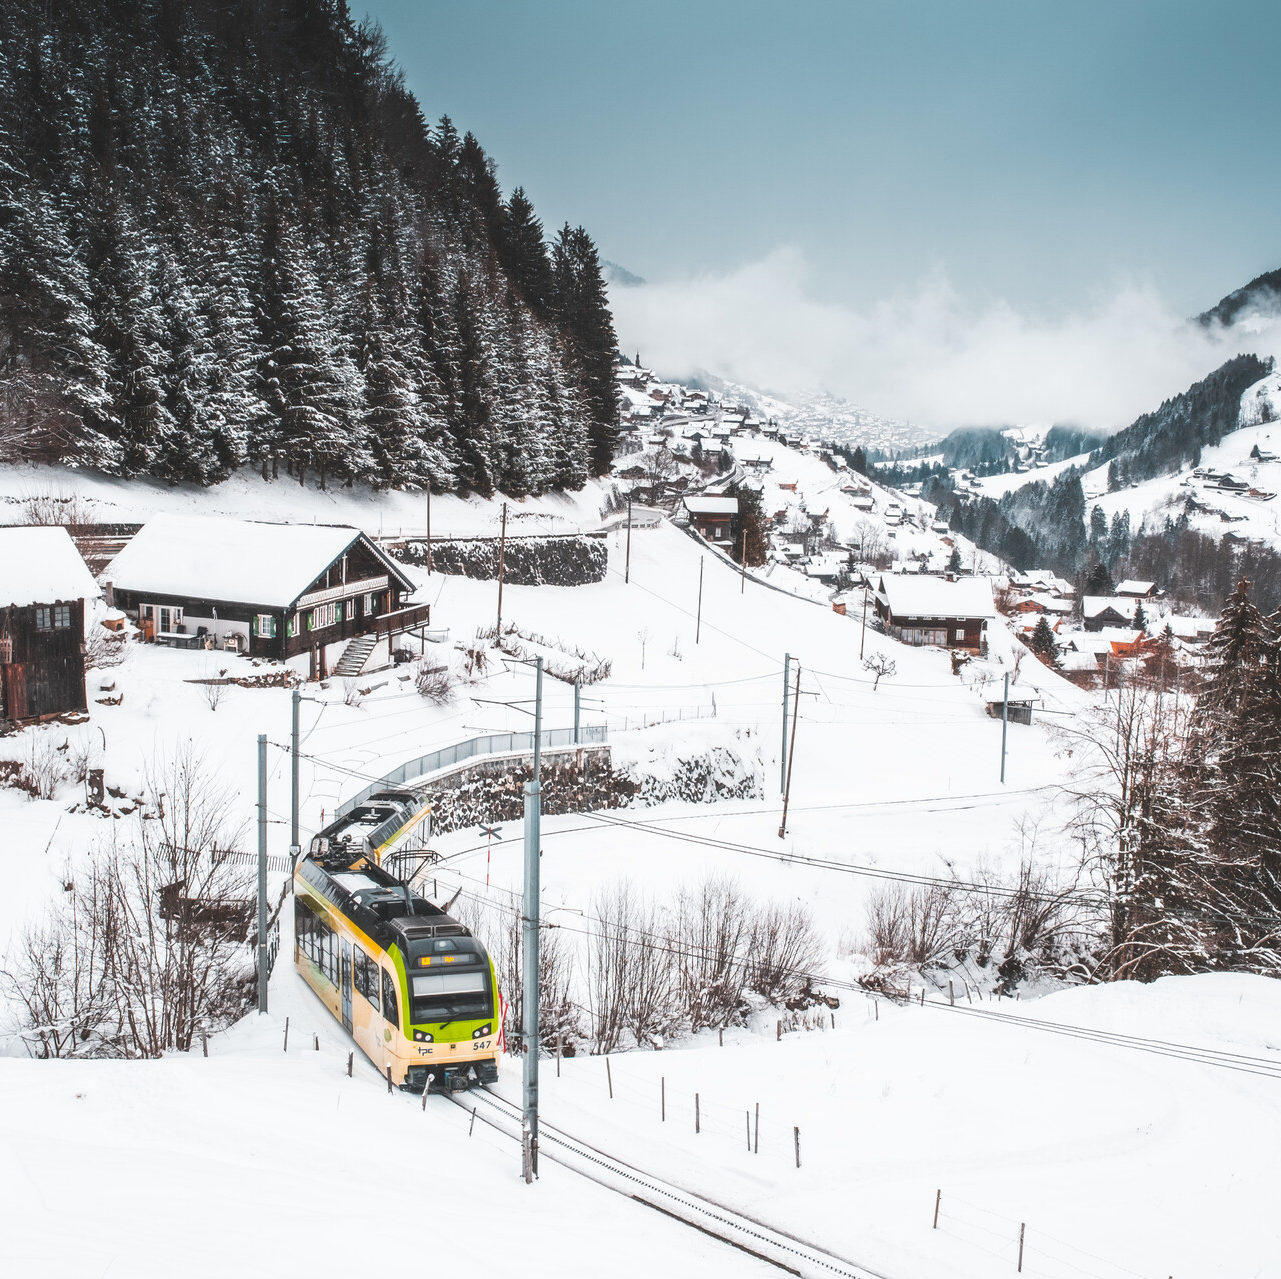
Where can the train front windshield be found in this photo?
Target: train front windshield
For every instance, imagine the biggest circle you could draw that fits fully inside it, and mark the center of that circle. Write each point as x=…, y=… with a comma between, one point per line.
x=451, y=996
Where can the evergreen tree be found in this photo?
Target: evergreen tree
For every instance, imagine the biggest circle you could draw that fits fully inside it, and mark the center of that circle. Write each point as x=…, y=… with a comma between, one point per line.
x=523, y=252
x=582, y=307
x=1140, y=617
x=1098, y=581
x=1043, y=643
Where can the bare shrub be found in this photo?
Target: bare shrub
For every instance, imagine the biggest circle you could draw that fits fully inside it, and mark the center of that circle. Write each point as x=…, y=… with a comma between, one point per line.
x=436, y=683
x=105, y=648
x=150, y=945
x=49, y=507
x=55, y=973
x=215, y=691
x=911, y=925
x=44, y=767
x=710, y=936
x=784, y=952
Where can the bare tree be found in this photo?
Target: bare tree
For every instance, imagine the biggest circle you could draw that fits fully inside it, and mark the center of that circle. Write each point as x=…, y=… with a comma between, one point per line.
x=710, y=936
x=882, y=666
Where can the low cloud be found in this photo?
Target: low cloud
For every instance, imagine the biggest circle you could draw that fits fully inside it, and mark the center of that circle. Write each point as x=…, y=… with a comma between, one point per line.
x=926, y=354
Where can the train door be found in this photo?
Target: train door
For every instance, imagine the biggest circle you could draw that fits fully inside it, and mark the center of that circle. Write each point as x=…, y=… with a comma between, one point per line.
x=346, y=985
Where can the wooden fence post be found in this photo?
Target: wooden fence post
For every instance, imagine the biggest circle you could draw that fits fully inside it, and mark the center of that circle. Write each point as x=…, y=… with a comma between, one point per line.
x=609, y=1079
x=938, y=1199
x=472, y=1125
x=796, y=1138
x=747, y=1115
x=1022, y=1228
x=951, y=994
x=204, y=1042
x=756, y=1144
x=315, y=1042
x=389, y=1079
x=349, y=1060
x=286, y=1047
x=780, y=1031
x=662, y=1099
x=697, y=1115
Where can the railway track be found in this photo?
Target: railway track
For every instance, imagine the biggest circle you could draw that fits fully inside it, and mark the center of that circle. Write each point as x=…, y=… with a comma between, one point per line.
x=767, y=1243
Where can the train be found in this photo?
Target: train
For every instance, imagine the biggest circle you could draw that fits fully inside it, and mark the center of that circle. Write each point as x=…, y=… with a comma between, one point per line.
x=411, y=985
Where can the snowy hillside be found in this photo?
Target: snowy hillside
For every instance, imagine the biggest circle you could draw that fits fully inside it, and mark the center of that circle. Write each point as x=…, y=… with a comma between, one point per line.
x=889, y=1103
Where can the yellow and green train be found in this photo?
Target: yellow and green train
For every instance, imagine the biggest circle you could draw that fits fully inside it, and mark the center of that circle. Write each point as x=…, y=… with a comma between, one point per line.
x=411, y=985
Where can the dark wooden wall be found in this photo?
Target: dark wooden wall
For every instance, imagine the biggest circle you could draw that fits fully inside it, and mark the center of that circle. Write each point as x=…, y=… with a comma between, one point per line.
x=46, y=675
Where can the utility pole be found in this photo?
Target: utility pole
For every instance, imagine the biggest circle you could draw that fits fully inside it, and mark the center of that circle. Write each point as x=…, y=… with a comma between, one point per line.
x=862, y=639
x=502, y=549
x=698, y=624
x=530, y=924
x=295, y=847
x=429, y=528
x=627, y=563
x=578, y=702
x=743, y=580
x=262, y=872
x=782, y=750
x=1005, y=723
x=791, y=754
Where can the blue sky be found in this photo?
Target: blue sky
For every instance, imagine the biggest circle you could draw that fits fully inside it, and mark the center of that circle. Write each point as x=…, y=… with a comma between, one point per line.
x=1034, y=156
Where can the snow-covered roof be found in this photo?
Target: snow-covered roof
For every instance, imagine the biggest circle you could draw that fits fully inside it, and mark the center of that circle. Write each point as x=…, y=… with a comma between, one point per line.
x=937, y=597
x=1189, y=627
x=1093, y=605
x=40, y=565
x=712, y=505
x=234, y=561
x=1131, y=587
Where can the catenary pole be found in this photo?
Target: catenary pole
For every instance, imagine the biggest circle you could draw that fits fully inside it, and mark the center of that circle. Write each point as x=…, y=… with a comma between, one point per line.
x=1005, y=723
x=791, y=754
x=782, y=750
x=578, y=703
x=294, y=846
x=530, y=924
x=862, y=639
x=627, y=563
x=698, y=622
x=429, y=528
x=262, y=872
x=502, y=548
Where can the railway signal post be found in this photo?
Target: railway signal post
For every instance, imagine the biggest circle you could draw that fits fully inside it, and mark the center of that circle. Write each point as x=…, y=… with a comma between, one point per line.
x=488, y=834
x=530, y=924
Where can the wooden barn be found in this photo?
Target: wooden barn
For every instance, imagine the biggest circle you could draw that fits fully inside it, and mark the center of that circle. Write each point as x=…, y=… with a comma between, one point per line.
x=713, y=517
x=920, y=610
x=44, y=585
x=321, y=592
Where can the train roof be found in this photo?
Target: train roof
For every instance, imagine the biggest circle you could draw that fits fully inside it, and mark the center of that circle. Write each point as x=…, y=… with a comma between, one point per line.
x=380, y=905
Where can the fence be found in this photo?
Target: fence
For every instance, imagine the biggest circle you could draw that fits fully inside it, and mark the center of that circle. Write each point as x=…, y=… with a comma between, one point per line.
x=460, y=752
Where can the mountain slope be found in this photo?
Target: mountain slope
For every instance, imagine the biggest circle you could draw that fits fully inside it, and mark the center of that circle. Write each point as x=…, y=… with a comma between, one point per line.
x=227, y=235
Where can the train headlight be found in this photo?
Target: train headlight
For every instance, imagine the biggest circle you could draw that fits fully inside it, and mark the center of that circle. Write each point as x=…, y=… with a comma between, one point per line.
x=481, y=1033
x=422, y=1037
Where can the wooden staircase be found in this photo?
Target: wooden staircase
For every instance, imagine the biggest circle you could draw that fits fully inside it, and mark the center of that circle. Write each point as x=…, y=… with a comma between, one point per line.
x=355, y=655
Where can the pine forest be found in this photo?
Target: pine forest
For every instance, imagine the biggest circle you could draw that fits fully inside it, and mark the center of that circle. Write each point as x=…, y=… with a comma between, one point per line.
x=228, y=237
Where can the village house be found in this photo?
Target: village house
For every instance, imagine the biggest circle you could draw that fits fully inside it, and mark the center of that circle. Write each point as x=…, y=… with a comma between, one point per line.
x=44, y=586
x=325, y=593
x=922, y=610
x=1099, y=611
x=1131, y=589
x=712, y=517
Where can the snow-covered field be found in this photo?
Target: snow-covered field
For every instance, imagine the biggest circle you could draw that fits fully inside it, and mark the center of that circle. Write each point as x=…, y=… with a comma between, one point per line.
x=1121, y=1162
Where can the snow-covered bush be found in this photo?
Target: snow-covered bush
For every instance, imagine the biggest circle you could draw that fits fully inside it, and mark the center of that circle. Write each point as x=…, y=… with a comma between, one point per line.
x=434, y=682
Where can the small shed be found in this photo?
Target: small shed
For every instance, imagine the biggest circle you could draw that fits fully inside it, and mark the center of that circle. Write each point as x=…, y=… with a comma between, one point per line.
x=44, y=585
x=1017, y=712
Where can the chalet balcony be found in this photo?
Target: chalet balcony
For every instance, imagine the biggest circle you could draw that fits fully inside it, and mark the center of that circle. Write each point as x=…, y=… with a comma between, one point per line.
x=397, y=622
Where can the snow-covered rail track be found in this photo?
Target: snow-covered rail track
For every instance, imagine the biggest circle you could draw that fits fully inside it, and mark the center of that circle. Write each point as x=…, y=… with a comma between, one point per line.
x=767, y=1243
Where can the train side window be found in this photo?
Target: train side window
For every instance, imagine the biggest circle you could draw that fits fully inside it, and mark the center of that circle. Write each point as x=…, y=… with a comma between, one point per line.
x=365, y=975
x=389, y=999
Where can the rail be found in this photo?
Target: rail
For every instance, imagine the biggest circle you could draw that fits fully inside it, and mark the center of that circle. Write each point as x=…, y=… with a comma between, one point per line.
x=473, y=748
x=770, y=1244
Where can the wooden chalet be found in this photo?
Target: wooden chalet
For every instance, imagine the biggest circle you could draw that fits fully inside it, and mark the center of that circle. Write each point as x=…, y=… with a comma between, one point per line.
x=712, y=517
x=1098, y=611
x=44, y=586
x=325, y=593
x=919, y=610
